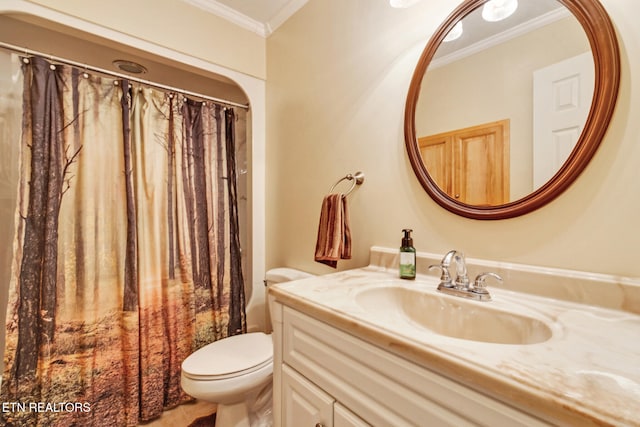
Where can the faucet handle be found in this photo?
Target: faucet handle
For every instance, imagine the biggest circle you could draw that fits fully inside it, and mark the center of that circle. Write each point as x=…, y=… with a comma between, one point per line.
x=479, y=286
x=445, y=278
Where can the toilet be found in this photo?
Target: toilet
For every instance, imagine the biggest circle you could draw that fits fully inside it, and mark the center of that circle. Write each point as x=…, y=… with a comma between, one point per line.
x=236, y=372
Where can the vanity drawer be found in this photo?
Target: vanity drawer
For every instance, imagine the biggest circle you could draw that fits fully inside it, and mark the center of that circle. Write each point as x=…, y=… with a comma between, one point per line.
x=384, y=389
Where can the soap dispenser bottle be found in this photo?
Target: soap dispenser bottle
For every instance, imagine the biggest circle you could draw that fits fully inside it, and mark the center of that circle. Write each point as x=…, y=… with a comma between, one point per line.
x=407, y=256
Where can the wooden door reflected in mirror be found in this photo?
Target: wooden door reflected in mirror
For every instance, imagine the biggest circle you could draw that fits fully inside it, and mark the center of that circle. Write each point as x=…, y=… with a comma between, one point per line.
x=470, y=165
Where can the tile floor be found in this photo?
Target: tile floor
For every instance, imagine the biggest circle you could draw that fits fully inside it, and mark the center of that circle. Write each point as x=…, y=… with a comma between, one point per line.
x=183, y=415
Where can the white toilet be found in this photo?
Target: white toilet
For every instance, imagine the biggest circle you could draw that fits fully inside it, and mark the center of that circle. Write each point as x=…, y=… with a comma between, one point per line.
x=236, y=372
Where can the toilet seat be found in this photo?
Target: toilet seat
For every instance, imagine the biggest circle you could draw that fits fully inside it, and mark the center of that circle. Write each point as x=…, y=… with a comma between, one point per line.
x=230, y=357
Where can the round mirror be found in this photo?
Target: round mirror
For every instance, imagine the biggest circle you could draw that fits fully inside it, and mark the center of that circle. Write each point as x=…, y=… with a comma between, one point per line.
x=504, y=111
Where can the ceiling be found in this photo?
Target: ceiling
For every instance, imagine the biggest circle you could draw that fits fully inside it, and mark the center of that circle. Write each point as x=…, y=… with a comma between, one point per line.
x=260, y=16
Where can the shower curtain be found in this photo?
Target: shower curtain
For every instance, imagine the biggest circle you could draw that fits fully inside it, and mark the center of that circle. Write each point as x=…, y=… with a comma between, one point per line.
x=126, y=251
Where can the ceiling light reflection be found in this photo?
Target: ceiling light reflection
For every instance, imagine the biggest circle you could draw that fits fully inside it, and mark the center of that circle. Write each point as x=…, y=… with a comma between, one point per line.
x=497, y=10
x=455, y=33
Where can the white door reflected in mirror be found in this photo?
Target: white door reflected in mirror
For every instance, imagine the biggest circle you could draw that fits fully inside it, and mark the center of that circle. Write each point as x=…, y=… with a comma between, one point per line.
x=562, y=95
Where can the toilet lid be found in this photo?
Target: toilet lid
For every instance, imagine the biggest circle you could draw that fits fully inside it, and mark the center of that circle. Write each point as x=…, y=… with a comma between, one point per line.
x=230, y=357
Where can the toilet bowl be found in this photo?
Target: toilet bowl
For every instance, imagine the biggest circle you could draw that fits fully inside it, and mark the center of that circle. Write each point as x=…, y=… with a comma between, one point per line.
x=236, y=372
x=231, y=372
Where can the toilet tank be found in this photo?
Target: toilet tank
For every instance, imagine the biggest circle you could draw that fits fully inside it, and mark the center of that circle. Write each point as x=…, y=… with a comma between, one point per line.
x=284, y=274
x=280, y=275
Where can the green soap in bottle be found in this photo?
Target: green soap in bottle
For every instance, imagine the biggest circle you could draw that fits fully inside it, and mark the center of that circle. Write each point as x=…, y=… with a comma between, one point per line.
x=407, y=256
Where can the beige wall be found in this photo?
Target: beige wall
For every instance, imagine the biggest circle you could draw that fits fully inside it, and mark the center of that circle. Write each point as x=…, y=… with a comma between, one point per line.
x=174, y=24
x=339, y=72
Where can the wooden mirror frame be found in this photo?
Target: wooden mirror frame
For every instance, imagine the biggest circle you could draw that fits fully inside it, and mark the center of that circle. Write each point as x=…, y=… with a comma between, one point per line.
x=606, y=57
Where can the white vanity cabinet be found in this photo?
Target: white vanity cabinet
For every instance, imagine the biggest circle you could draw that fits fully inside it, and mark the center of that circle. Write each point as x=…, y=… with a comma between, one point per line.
x=324, y=376
x=305, y=404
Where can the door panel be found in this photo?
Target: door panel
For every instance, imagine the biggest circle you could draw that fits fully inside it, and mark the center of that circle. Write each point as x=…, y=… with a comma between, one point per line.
x=304, y=404
x=562, y=95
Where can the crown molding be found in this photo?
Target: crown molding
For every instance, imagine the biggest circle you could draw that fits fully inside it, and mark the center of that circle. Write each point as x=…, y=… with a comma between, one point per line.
x=285, y=13
x=263, y=29
x=502, y=37
x=230, y=15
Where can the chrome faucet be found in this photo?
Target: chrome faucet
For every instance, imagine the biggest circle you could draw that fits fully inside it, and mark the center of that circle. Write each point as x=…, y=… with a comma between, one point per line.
x=461, y=286
x=445, y=277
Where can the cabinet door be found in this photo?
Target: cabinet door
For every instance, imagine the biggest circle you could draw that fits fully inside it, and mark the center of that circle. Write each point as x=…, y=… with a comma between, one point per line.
x=303, y=403
x=342, y=417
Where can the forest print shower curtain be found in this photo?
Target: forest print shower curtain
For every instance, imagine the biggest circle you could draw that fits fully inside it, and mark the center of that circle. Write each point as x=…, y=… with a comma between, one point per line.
x=126, y=254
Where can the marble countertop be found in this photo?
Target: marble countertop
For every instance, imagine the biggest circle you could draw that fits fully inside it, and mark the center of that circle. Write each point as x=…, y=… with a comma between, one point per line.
x=587, y=373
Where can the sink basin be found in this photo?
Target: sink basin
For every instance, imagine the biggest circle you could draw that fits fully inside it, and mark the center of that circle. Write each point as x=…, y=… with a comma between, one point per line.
x=454, y=317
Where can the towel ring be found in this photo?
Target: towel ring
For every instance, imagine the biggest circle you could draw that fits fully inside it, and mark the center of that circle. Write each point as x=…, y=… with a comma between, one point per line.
x=357, y=178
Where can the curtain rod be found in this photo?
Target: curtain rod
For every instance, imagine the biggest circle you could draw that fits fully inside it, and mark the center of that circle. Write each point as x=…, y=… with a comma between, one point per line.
x=26, y=51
